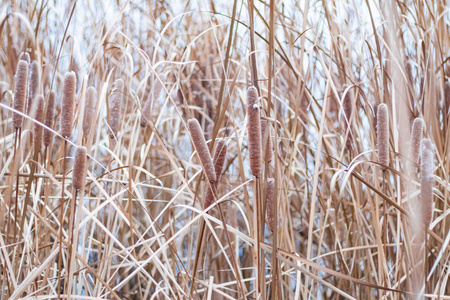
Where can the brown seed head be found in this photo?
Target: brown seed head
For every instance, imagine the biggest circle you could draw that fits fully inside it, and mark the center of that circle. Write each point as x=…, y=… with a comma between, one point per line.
x=37, y=129
x=383, y=135
x=219, y=157
x=67, y=104
x=270, y=205
x=347, y=106
x=89, y=107
x=79, y=168
x=152, y=92
x=49, y=116
x=426, y=180
x=446, y=98
x=254, y=131
x=33, y=86
x=20, y=91
x=266, y=140
x=115, y=105
x=202, y=149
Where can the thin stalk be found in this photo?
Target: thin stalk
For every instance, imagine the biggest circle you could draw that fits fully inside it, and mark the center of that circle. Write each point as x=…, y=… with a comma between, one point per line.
x=61, y=220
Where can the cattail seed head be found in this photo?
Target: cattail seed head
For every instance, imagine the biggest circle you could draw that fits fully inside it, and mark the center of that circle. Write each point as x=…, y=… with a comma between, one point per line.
x=270, y=205
x=446, y=98
x=210, y=194
x=37, y=129
x=347, y=106
x=202, y=149
x=33, y=86
x=20, y=91
x=151, y=94
x=254, y=131
x=115, y=105
x=219, y=157
x=415, y=140
x=426, y=180
x=266, y=141
x=89, y=107
x=67, y=104
x=383, y=135
x=79, y=168
x=49, y=116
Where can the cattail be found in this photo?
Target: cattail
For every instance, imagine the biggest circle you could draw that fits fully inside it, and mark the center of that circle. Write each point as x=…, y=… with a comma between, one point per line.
x=218, y=161
x=415, y=140
x=446, y=98
x=383, y=136
x=24, y=56
x=37, y=128
x=267, y=141
x=49, y=116
x=20, y=91
x=426, y=180
x=347, y=106
x=254, y=131
x=115, y=104
x=91, y=99
x=270, y=205
x=67, y=104
x=304, y=103
x=202, y=150
x=150, y=96
x=409, y=75
x=33, y=85
x=79, y=168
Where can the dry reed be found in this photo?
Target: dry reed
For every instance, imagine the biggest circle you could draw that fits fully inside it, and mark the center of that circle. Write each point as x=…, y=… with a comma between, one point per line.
x=37, y=129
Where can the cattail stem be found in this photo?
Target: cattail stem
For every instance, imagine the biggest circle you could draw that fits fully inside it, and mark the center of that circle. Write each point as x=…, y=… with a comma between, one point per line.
x=61, y=220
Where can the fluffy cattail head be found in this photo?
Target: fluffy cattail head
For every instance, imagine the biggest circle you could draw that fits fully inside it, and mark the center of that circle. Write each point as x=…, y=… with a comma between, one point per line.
x=270, y=205
x=49, y=116
x=202, y=150
x=254, y=131
x=33, y=86
x=20, y=91
x=415, y=140
x=67, y=104
x=37, y=129
x=426, y=180
x=79, y=168
x=89, y=107
x=383, y=135
x=152, y=92
x=266, y=140
x=115, y=105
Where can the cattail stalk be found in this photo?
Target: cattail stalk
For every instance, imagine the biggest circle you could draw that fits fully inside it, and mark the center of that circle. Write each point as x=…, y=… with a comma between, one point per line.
x=37, y=128
x=383, y=136
x=202, y=149
x=89, y=107
x=254, y=131
x=115, y=105
x=67, y=104
x=49, y=116
x=426, y=180
x=20, y=91
x=270, y=209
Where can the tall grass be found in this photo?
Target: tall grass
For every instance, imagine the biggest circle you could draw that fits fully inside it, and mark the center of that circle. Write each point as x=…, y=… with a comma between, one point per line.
x=124, y=202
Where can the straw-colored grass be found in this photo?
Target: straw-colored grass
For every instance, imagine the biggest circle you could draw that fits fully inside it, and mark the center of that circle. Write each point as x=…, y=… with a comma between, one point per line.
x=121, y=83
